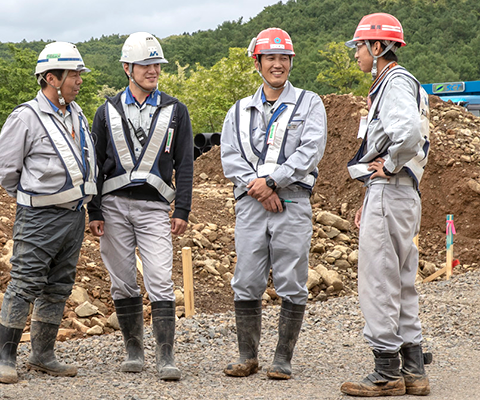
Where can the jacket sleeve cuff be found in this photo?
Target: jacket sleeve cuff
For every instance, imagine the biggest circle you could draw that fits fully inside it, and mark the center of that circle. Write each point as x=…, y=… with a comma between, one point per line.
x=181, y=213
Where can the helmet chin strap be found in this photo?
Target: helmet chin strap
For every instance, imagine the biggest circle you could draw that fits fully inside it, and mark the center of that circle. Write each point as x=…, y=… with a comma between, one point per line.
x=130, y=76
x=375, y=58
x=61, y=99
x=268, y=84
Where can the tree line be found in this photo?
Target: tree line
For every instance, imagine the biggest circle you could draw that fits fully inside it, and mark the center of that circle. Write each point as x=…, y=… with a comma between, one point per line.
x=209, y=70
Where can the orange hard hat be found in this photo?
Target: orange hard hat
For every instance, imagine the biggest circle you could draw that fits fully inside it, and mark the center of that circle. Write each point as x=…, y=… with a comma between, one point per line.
x=271, y=41
x=379, y=26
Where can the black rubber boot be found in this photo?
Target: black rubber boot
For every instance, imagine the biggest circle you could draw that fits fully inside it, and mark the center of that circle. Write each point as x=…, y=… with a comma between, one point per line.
x=9, y=340
x=385, y=381
x=413, y=370
x=163, y=320
x=42, y=358
x=248, y=320
x=130, y=318
x=289, y=325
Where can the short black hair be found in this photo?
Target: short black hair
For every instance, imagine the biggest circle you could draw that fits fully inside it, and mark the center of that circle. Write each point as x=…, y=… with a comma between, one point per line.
x=57, y=73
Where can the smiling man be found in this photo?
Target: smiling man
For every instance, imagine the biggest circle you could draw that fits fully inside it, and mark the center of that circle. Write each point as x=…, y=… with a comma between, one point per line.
x=271, y=145
x=47, y=162
x=142, y=134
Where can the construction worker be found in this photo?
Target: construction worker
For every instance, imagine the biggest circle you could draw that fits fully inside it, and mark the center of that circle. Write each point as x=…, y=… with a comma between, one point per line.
x=271, y=144
x=390, y=163
x=47, y=163
x=141, y=136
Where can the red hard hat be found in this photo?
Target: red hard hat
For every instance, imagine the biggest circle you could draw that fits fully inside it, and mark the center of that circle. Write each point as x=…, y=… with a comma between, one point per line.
x=271, y=41
x=379, y=26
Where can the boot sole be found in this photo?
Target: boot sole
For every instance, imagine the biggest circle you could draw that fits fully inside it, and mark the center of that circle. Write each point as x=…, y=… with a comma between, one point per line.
x=50, y=371
x=278, y=375
x=240, y=370
x=424, y=391
x=131, y=367
x=170, y=374
x=366, y=393
x=6, y=379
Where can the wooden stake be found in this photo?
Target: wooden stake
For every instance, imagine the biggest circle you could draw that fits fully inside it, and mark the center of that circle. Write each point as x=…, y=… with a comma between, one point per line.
x=447, y=269
x=415, y=242
x=139, y=264
x=188, y=281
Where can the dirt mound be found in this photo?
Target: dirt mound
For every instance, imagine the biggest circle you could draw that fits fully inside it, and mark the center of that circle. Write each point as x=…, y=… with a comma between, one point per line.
x=450, y=186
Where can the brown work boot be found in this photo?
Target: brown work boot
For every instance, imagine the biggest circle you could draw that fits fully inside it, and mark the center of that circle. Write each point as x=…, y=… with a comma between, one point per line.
x=413, y=370
x=248, y=319
x=385, y=381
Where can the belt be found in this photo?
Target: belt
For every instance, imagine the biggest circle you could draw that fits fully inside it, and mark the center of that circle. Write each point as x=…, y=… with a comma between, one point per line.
x=293, y=194
x=394, y=180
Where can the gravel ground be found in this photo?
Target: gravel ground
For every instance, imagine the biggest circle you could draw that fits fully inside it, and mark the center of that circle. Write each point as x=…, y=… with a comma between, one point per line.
x=330, y=350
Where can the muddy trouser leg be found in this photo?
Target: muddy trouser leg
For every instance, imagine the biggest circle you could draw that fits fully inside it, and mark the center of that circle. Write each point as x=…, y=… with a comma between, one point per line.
x=130, y=318
x=248, y=320
x=47, y=244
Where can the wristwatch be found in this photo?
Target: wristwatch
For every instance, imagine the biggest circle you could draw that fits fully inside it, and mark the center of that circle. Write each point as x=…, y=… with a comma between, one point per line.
x=387, y=172
x=270, y=183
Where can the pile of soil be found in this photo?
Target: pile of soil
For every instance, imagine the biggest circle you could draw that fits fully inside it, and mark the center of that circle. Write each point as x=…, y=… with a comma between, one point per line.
x=450, y=186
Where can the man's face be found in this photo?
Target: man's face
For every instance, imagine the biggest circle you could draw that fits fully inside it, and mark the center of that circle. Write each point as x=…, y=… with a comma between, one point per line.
x=363, y=57
x=146, y=75
x=274, y=68
x=71, y=85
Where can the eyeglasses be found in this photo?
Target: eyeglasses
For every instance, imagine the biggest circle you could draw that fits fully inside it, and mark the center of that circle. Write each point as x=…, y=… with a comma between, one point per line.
x=358, y=45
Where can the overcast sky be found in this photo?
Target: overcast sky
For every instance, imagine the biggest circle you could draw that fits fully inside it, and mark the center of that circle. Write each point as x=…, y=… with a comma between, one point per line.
x=78, y=21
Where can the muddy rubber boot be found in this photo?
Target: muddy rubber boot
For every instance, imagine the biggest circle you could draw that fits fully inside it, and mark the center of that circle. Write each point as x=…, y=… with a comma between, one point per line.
x=9, y=339
x=385, y=381
x=413, y=370
x=248, y=320
x=42, y=358
x=130, y=318
x=290, y=322
x=163, y=320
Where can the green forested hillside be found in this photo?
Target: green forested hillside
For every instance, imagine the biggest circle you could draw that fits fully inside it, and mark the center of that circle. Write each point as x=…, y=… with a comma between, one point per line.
x=443, y=44
x=443, y=39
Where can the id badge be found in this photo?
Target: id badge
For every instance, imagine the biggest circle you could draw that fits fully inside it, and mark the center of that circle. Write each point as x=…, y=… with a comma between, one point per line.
x=362, y=129
x=271, y=133
x=169, y=140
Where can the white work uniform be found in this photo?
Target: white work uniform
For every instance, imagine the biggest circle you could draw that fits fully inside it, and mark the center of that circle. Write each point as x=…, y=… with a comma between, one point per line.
x=265, y=239
x=388, y=258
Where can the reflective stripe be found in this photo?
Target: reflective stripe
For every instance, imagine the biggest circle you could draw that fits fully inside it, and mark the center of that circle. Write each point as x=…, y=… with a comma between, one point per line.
x=76, y=187
x=274, y=150
x=358, y=168
x=142, y=170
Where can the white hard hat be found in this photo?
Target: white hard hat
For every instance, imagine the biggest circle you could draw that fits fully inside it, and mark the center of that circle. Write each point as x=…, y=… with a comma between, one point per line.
x=142, y=48
x=60, y=55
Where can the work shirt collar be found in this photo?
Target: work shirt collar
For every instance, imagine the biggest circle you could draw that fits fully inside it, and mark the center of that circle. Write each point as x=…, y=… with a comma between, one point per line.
x=288, y=95
x=151, y=100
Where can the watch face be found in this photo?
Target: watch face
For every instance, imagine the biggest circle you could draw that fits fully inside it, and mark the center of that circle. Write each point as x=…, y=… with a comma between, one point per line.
x=270, y=183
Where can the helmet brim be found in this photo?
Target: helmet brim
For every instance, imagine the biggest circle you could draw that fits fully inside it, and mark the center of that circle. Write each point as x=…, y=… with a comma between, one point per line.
x=150, y=61
x=351, y=43
x=275, y=51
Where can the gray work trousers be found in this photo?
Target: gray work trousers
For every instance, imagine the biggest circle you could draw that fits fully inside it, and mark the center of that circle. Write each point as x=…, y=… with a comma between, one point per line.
x=131, y=223
x=280, y=241
x=47, y=243
x=387, y=266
